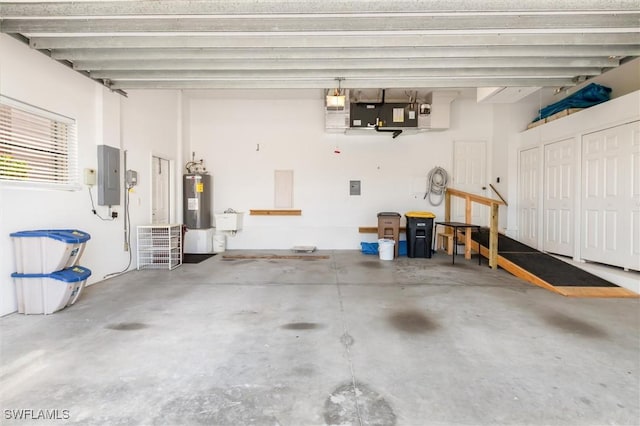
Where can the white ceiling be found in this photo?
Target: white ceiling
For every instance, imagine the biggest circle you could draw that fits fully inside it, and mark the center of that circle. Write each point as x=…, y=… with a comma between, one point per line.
x=401, y=44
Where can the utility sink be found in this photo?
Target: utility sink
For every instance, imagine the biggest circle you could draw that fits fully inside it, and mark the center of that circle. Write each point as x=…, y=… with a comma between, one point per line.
x=228, y=221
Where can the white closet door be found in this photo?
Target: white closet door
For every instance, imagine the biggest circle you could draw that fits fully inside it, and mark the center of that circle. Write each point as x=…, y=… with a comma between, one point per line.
x=469, y=175
x=559, y=197
x=528, y=196
x=610, y=208
x=634, y=202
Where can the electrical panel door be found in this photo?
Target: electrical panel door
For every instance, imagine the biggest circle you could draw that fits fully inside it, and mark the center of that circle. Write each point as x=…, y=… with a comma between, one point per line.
x=108, y=176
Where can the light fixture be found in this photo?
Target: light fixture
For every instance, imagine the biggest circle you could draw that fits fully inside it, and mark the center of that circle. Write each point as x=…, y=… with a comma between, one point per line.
x=338, y=99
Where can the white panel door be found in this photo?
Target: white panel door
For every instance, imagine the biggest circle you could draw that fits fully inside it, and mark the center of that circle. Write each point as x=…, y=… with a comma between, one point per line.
x=160, y=191
x=559, y=197
x=469, y=175
x=634, y=204
x=610, y=202
x=528, y=196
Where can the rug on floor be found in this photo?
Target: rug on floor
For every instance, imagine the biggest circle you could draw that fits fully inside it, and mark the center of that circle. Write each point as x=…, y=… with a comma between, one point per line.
x=196, y=257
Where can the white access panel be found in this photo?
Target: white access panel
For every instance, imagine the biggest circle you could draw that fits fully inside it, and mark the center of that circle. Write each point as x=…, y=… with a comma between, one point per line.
x=283, y=189
x=559, y=197
x=469, y=175
x=528, y=196
x=610, y=200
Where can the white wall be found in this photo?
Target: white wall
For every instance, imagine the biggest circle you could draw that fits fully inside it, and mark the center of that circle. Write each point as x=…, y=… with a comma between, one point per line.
x=150, y=126
x=31, y=77
x=225, y=128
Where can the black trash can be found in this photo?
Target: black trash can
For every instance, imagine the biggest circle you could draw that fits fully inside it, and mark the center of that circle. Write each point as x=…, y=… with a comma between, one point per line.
x=419, y=233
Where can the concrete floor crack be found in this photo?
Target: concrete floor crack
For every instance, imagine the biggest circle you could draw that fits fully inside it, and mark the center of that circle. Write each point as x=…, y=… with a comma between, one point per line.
x=347, y=341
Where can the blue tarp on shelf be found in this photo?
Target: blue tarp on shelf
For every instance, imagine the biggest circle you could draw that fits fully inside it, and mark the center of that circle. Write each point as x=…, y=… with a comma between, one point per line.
x=589, y=95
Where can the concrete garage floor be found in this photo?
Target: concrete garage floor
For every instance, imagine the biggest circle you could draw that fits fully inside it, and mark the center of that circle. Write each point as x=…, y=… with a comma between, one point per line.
x=349, y=340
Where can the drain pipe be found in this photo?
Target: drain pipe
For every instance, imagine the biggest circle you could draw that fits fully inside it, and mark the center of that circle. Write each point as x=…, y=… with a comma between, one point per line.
x=396, y=132
x=126, y=204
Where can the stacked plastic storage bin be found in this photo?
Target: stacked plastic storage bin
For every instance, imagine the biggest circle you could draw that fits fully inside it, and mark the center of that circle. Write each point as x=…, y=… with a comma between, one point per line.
x=48, y=277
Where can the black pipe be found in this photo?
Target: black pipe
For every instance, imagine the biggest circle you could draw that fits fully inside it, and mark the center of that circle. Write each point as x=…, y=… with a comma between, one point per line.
x=396, y=132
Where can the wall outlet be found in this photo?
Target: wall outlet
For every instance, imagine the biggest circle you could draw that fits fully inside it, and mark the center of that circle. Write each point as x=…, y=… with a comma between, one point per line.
x=89, y=177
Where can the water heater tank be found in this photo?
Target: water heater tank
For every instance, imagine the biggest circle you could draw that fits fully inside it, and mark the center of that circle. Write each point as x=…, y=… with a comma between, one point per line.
x=197, y=200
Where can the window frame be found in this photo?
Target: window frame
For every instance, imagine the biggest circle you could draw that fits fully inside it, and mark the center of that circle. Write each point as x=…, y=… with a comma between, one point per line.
x=68, y=174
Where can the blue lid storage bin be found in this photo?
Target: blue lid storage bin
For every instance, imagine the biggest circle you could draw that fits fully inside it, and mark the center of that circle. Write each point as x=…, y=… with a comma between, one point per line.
x=48, y=293
x=47, y=250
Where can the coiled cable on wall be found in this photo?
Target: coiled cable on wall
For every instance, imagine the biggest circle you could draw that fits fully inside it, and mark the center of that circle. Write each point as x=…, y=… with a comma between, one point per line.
x=436, y=185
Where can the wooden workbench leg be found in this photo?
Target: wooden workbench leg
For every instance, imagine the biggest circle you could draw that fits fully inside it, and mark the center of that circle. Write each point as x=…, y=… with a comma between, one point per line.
x=467, y=243
x=447, y=207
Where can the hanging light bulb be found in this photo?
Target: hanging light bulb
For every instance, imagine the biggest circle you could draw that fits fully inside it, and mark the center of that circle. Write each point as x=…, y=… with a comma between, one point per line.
x=338, y=99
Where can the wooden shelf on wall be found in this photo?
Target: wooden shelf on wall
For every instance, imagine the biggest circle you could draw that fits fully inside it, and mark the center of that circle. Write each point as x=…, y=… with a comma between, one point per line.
x=374, y=229
x=275, y=212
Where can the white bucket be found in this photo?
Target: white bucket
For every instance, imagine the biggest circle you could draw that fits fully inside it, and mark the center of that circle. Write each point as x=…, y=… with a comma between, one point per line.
x=385, y=249
x=219, y=242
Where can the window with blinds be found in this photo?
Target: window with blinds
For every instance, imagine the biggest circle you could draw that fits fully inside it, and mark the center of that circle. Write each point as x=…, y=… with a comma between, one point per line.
x=37, y=146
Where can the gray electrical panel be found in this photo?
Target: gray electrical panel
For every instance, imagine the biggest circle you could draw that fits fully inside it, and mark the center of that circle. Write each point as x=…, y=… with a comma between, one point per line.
x=108, y=176
x=354, y=187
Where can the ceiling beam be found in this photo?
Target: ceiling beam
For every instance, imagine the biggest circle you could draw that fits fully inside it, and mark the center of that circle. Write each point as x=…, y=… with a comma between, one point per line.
x=207, y=7
x=334, y=41
x=337, y=64
x=291, y=23
x=308, y=44
x=343, y=52
x=66, y=63
x=348, y=84
x=332, y=74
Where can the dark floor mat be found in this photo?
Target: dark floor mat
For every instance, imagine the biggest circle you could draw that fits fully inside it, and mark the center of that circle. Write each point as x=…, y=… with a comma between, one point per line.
x=196, y=258
x=546, y=267
x=555, y=271
x=505, y=244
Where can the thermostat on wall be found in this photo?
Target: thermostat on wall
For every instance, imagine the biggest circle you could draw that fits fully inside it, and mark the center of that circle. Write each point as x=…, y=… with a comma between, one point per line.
x=89, y=177
x=131, y=178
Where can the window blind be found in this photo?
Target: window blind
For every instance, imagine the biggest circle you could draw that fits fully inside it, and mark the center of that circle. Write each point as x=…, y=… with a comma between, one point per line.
x=36, y=145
